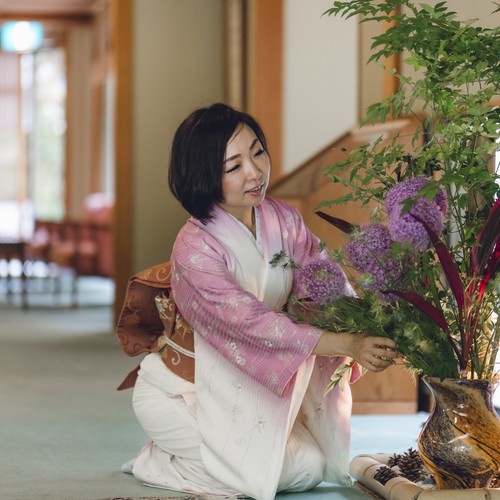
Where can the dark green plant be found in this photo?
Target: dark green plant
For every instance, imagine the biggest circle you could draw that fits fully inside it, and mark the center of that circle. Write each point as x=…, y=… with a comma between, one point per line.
x=457, y=75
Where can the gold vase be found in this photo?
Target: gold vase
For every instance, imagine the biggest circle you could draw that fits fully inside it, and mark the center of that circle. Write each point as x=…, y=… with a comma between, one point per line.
x=460, y=442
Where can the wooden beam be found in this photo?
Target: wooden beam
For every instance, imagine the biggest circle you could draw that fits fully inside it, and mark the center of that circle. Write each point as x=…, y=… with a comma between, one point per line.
x=121, y=36
x=235, y=49
x=68, y=176
x=96, y=131
x=50, y=20
x=265, y=82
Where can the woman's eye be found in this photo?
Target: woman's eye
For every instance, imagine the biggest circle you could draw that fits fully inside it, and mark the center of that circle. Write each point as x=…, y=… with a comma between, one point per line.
x=260, y=151
x=232, y=169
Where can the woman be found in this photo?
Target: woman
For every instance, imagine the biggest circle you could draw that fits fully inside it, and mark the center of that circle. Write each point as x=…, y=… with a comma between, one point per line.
x=254, y=420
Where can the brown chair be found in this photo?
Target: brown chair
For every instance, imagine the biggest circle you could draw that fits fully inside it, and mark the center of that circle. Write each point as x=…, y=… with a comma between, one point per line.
x=86, y=245
x=83, y=246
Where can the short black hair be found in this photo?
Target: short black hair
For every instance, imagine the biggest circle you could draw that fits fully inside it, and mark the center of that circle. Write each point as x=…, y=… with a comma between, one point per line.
x=197, y=156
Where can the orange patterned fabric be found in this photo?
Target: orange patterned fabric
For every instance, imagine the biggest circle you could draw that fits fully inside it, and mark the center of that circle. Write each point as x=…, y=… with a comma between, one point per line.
x=148, y=316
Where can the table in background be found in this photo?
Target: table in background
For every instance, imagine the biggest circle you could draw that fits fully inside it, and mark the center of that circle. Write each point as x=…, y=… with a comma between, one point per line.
x=15, y=249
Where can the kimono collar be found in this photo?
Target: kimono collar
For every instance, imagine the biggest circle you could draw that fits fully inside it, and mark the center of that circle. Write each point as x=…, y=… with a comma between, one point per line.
x=248, y=258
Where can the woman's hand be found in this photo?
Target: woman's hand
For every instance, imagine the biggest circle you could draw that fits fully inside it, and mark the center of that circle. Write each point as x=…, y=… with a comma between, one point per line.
x=374, y=353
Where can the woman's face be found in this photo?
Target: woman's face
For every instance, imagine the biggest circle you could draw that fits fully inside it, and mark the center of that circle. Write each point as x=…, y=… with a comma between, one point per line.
x=245, y=174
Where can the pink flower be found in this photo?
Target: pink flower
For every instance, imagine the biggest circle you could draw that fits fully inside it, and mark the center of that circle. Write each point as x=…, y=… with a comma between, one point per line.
x=364, y=249
x=405, y=228
x=402, y=191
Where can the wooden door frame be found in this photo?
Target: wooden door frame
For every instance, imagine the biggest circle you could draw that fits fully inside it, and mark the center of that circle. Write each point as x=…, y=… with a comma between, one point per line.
x=121, y=35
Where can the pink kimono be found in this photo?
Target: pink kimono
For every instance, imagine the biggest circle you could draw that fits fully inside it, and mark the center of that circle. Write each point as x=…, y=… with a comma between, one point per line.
x=255, y=374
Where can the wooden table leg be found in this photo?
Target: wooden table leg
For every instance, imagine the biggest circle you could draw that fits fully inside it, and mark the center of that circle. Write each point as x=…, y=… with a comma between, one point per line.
x=10, y=249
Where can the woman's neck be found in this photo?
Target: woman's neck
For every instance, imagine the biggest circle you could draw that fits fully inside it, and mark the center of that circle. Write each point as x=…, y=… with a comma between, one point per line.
x=247, y=218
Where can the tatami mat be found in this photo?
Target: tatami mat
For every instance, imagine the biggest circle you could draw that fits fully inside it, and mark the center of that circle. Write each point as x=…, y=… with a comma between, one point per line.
x=65, y=431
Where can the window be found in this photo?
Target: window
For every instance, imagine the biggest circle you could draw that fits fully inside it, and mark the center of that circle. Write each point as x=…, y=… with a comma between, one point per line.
x=32, y=138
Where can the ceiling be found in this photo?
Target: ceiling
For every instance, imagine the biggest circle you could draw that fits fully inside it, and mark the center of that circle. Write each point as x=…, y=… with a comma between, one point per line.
x=50, y=7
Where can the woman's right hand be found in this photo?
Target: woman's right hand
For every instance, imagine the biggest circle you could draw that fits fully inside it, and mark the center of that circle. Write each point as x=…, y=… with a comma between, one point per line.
x=374, y=353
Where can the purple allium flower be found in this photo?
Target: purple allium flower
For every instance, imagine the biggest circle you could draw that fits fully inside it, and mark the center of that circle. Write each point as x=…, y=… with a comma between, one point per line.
x=405, y=228
x=402, y=191
x=322, y=281
x=442, y=200
x=409, y=188
x=366, y=247
x=369, y=253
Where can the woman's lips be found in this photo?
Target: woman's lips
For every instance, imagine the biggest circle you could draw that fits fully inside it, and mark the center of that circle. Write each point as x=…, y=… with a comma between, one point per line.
x=256, y=191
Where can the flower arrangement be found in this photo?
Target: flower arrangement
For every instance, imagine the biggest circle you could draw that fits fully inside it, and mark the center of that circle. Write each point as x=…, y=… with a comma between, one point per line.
x=425, y=267
x=409, y=287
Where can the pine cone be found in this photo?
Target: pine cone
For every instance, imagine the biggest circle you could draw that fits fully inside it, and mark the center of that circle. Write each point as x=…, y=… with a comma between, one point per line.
x=384, y=474
x=495, y=482
x=411, y=466
x=394, y=460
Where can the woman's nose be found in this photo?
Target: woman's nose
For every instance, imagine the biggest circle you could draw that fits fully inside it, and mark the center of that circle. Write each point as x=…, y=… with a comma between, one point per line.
x=255, y=172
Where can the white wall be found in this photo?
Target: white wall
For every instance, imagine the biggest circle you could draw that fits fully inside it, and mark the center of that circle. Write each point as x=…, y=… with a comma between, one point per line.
x=320, y=79
x=177, y=61
x=476, y=9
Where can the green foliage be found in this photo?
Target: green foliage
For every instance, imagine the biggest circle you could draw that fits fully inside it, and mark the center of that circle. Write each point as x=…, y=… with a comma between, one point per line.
x=457, y=76
x=281, y=259
x=459, y=73
x=424, y=345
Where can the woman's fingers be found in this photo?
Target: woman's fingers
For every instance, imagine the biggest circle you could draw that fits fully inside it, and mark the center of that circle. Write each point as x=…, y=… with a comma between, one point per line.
x=384, y=348
x=378, y=353
x=374, y=353
x=375, y=368
x=383, y=342
x=382, y=362
x=385, y=353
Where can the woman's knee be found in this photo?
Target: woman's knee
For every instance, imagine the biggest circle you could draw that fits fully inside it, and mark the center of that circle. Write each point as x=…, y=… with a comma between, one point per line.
x=166, y=420
x=304, y=463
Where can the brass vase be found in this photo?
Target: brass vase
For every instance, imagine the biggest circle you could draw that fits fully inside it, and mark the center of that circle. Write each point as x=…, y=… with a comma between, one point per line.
x=460, y=442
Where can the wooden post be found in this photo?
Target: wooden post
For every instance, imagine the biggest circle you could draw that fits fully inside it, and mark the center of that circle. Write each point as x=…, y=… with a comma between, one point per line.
x=391, y=82
x=121, y=35
x=265, y=81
